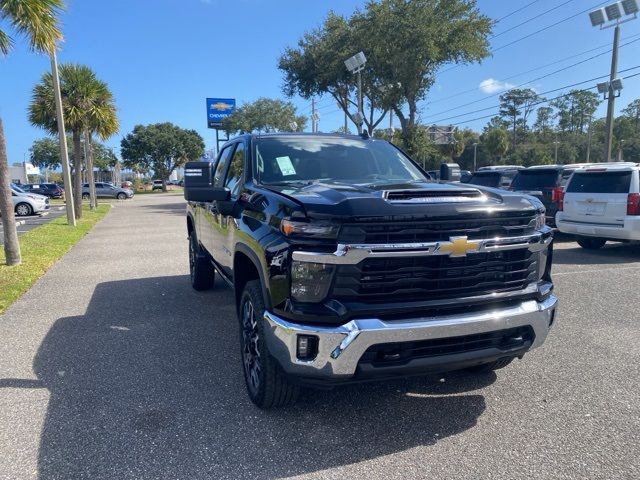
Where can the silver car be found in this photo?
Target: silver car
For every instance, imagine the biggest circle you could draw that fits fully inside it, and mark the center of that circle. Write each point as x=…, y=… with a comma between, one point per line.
x=106, y=190
x=26, y=203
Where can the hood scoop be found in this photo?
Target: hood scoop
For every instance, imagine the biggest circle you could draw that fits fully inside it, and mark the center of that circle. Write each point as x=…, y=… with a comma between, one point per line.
x=434, y=196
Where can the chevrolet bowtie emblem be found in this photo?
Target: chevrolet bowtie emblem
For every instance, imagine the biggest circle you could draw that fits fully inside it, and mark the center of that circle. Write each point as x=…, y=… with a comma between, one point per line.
x=459, y=246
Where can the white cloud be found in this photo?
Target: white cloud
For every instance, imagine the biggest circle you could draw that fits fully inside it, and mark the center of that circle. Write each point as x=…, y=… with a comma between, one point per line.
x=491, y=85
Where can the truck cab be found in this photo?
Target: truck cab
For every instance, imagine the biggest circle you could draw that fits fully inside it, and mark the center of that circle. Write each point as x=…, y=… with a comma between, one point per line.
x=349, y=264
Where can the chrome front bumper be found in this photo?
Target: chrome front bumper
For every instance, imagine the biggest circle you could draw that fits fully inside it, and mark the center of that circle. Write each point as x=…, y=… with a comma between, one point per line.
x=341, y=347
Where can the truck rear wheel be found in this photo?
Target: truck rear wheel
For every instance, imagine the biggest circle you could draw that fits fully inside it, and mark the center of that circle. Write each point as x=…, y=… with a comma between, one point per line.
x=200, y=269
x=266, y=384
x=489, y=367
x=591, y=243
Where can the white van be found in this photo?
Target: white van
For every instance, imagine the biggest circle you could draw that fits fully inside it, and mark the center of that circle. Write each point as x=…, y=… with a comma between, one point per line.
x=600, y=203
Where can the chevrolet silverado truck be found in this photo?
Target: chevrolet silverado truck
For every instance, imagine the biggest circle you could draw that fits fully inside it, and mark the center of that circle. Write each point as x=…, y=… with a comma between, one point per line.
x=348, y=264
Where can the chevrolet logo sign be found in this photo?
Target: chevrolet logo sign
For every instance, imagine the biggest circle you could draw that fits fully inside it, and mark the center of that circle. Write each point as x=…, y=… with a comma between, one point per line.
x=221, y=106
x=458, y=246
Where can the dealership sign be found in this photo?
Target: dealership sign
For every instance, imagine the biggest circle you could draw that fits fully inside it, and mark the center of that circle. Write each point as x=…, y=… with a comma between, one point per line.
x=218, y=109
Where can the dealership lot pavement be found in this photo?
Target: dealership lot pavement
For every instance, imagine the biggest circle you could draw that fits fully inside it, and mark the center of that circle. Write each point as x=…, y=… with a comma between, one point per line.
x=131, y=374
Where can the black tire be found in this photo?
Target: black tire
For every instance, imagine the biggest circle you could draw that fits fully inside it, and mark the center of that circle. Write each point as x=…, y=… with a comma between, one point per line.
x=266, y=384
x=86, y=196
x=121, y=196
x=23, y=210
x=591, y=243
x=201, y=270
x=490, y=367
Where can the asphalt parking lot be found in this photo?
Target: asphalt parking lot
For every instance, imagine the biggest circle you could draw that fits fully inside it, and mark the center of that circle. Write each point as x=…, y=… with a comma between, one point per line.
x=24, y=224
x=131, y=374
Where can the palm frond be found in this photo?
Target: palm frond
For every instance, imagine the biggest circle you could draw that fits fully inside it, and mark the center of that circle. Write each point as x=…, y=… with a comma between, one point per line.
x=6, y=43
x=35, y=19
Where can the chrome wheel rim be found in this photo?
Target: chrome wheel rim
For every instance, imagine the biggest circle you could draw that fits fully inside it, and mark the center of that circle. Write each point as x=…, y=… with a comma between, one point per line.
x=250, y=344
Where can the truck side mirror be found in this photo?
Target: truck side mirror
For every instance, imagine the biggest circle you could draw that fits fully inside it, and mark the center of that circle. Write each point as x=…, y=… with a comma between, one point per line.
x=198, y=184
x=450, y=172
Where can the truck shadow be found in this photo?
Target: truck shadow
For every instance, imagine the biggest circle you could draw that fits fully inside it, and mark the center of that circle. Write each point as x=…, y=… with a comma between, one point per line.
x=146, y=384
x=612, y=253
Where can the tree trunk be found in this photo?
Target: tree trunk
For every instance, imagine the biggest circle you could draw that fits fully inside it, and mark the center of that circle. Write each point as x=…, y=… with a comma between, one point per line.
x=77, y=174
x=93, y=201
x=11, y=245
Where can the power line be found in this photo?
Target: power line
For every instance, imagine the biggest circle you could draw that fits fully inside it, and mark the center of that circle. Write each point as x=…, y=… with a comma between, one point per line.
x=493, y=50
x=546, y=100
x=516, y=11
x=532, y=80
x=533, y=69
x=530, y=19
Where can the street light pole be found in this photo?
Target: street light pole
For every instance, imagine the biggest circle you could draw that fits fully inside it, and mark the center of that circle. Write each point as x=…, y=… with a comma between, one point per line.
x=475, y=156
x=589, y=140
x=556, y=144
x=64, y=158
x=360, y=109
x=612, y=97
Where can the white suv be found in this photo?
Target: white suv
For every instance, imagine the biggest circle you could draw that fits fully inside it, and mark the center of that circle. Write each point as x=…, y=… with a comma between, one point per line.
x=600, y=203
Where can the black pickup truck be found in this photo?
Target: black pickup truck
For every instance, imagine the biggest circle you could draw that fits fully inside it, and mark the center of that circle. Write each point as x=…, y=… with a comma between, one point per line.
x=349, y=264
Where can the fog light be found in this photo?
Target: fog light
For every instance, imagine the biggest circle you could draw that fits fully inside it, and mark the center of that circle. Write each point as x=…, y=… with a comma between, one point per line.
x=307, y=347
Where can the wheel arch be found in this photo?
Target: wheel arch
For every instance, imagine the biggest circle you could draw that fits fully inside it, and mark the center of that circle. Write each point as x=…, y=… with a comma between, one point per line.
x=247, y=267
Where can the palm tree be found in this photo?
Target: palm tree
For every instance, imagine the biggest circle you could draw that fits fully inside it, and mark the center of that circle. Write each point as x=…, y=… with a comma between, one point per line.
x=88, y=107
x=36, y=20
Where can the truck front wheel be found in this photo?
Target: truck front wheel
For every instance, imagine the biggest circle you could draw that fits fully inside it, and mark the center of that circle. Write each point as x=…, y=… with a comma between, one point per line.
x=200, y=269
x=489, y=367
x=266, y=384
x=591, y=243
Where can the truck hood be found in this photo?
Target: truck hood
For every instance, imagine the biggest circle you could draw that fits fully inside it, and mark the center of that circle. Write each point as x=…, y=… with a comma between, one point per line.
x=429, y=199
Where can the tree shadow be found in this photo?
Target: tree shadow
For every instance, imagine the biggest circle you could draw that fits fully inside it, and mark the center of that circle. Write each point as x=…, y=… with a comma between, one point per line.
x=148, y=384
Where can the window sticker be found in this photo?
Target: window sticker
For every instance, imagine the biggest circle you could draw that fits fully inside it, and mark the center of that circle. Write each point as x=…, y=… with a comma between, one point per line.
x=285, y=166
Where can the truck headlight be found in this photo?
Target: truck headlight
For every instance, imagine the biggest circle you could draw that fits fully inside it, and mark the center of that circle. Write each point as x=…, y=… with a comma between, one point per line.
x=541, y=220
x=308, y=229
x=310, y=282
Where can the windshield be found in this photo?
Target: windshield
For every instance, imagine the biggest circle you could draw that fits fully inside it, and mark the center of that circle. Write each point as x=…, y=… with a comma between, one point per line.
x=600, y=182
x=332, y=160
x=16, y=188
x=535, y=180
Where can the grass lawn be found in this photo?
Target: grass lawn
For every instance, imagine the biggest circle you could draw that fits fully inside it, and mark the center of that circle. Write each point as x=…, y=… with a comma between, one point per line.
x=41, y=248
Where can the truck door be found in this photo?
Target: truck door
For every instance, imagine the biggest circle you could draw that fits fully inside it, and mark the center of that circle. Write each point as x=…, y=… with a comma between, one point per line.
x=234, y=179
x=210, y=221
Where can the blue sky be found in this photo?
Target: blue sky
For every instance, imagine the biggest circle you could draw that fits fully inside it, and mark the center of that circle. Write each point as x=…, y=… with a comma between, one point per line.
x=162, y=58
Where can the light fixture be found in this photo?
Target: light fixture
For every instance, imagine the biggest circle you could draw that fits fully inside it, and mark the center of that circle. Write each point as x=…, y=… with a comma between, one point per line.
x=603, y=87
x=356, y=63
x=613, y=11
x=630, y=7
x=616, y=84
x=597, y=17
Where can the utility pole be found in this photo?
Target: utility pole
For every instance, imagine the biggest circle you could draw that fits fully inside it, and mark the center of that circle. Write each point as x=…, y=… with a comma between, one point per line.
x=360, y=109
x=391, y=121
x=556, y=144
x=346, y=125
x=64, y=157
x=475, y=155
x=612, y=97
x=313, y=115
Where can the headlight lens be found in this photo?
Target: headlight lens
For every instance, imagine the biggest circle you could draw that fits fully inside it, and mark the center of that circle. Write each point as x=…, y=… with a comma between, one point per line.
x=310, y=282
x=308, y=229
x=540, y=220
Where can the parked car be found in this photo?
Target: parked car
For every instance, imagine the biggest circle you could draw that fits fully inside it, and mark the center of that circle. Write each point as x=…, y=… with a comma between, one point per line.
x=349, y=265
x=50, y=190
x=26, y=203
x=127, y=185
x=600, y=203
x=500, y=167
x=156, y=185
x=465, y=176
x=494, y=178
x=106, y=190
x=545, y=182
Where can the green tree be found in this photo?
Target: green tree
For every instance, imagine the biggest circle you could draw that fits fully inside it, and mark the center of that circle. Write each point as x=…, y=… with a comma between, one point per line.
x=405, y=42
x=496, y=142
x=45, y=153
x=516, y=105
x=632, y=111
x=544, y=119
x=575, y=109
x=86, y=107
x=265, y=115
x=37, y=21
x=161, y=147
